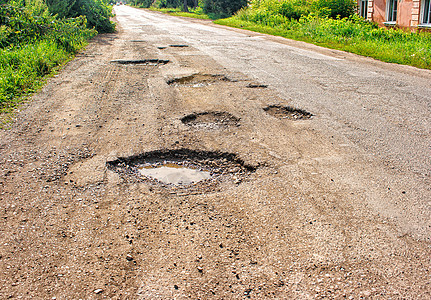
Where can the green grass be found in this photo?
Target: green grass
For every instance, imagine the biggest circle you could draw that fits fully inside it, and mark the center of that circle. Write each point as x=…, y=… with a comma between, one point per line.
x=32, y=48
x=196, y=14
x=352, y=35
x=23, y=70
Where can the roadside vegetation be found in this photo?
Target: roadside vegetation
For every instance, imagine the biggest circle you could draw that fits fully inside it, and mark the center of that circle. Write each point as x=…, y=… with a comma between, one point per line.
x=36, y=37
x=328, y=23
x=201, y=9
x=334, y=24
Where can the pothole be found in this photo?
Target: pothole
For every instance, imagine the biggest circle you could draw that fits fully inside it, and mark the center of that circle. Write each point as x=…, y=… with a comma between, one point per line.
x=287, y=112
x=257, y=86
x=197, y=80
x=210, y=120
x=183, y=169
x=175, y=174
x=152, y=62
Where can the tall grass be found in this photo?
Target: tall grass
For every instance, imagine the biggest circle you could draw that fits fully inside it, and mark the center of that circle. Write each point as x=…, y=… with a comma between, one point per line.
x=33, y=46
x=352, y=34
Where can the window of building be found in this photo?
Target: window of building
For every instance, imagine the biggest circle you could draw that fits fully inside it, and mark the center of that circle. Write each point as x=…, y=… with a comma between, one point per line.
x=426, y=12
x=391, y=11
x=363, y=8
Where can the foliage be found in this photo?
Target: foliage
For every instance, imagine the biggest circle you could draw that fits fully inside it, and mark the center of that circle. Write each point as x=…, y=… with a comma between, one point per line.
x=32, y=44
x=143, y=3
x=295, y=9
x=353, y=34
x=334, y=8
x=213, y=9
x=196, y=13
x=222, y=8
x=97, y=12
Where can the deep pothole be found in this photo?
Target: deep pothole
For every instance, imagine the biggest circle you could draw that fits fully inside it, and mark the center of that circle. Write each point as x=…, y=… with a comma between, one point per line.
x=287, y=112
x=197, y=80
x=150, y=62
x=210, y=120
x=183, y=169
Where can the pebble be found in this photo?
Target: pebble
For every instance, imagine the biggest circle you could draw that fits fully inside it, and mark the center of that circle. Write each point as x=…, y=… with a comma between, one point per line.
x=129, y=257
x=98, y=291
x=200, y=269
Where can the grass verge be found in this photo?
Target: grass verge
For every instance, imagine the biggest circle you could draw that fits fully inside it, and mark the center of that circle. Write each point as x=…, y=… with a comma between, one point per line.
x=196, y=14
x=32, y=48
x=352, y=35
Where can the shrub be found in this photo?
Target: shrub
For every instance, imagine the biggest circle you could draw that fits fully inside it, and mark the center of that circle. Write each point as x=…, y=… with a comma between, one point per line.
x=32, y=45
x=143, y=3
x=223, y=8
x=97, y=12
x=334, y=8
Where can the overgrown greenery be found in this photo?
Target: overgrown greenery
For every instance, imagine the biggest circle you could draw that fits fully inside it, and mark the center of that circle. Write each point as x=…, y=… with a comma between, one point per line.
x=33, y=43
x=319, y=22
x=196, y=13
x=213, y=9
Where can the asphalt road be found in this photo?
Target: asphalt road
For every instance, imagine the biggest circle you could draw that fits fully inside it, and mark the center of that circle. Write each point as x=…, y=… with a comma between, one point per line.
x=382, y=110
x=291, y=207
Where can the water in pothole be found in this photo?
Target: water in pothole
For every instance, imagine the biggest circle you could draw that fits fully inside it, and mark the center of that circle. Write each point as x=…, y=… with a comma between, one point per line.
x=174, y=174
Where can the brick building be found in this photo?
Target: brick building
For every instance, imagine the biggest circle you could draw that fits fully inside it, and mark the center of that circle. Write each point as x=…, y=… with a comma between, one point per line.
x=411, y=14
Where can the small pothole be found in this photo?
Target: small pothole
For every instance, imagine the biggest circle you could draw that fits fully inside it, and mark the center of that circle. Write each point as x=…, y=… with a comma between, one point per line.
x=183, y=169
x=151, y=62
x=197, y=80
x=257, y=86
x=211, y=120
x=287, y=112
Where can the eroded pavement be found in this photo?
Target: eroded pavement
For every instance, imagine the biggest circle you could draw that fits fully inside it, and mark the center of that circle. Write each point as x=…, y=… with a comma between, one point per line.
x=293, y=209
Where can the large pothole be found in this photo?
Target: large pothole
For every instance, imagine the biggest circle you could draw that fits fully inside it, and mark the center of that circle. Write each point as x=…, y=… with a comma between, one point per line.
x=150, y=62
x=211, y=120
x=183, y=169
x=197, y=80
x=287, y=112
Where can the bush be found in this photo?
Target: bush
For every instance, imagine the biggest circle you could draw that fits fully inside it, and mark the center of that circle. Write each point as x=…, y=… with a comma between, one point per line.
x=335, y=8
x=142, y=3
x=223, y=8
x=32, y=46
x=97, y=12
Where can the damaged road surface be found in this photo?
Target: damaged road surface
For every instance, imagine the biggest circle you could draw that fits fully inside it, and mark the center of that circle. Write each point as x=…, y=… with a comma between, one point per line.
x=178, y=159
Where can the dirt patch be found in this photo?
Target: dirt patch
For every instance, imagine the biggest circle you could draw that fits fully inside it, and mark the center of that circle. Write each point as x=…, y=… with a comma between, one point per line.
x=214, y=168
x=197, y=80
x=210, y=120
x=287, y=112
x=152, y=62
